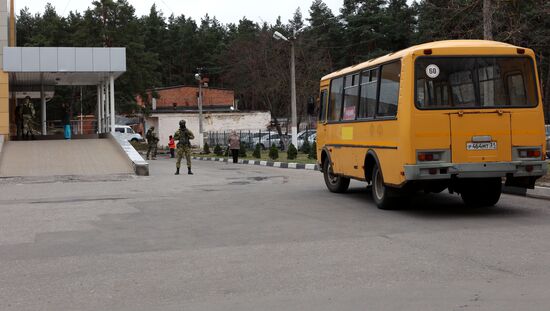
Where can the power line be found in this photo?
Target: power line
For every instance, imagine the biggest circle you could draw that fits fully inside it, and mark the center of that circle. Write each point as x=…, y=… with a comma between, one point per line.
x=66, y=6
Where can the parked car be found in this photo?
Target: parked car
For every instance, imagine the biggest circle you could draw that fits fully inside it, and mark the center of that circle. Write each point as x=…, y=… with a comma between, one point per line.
x=267, y=140
x=128, y=133
x=311, y=135
x=548, y=141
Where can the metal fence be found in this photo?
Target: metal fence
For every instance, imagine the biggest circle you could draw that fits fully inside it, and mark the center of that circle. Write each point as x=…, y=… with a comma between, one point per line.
x=251, y=138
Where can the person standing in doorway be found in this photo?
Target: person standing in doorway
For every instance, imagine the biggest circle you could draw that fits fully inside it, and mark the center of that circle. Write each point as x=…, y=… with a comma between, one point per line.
x=152, y=141
x=28, y=117
x=172, y=146
x=19, y=120
x=67, y=120
x=184, y=137
x=234, y=145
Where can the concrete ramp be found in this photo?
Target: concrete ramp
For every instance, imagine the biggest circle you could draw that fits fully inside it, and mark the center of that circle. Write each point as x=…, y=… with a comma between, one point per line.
x=84, y=157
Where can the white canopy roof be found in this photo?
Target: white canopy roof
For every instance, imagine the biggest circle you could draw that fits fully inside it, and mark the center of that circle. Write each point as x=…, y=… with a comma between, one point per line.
x=31, y=66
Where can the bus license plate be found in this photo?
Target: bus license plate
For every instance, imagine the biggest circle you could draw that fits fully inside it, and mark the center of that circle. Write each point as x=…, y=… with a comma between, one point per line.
x=482, y=146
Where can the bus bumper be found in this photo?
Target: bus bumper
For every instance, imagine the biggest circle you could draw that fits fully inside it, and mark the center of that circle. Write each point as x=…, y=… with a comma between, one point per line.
x=475, y=170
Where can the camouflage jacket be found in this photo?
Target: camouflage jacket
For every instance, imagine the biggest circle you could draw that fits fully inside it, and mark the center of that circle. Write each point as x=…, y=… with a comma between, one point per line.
x=184, y=137
x=151, y=137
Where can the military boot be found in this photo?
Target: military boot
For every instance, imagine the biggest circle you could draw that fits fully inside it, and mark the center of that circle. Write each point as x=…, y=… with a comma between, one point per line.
x=189, y=171
x=177, y=171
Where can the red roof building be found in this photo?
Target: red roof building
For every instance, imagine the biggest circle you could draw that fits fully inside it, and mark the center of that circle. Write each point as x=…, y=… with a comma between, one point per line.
x=184, y=97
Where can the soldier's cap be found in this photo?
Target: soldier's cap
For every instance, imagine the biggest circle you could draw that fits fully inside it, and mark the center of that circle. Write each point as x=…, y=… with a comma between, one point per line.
x=27, y=97
x=182, y=122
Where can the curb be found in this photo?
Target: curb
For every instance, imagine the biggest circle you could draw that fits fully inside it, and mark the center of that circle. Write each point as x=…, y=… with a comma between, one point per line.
x=297, y=166
x=538, y=192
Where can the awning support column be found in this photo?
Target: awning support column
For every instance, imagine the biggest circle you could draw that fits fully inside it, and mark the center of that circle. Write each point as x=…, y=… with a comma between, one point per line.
x=102, y=105
x=43, y=106
x=98, y=109
x=112, y=102
x=107, y=108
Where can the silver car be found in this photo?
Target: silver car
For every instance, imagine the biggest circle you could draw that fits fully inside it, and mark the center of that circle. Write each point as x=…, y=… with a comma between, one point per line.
x=311, y=135
x=267, y=140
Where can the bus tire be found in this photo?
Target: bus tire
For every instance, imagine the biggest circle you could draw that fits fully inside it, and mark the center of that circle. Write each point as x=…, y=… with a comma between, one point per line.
x=385, y=198
x=483, y=192
x=335, y=183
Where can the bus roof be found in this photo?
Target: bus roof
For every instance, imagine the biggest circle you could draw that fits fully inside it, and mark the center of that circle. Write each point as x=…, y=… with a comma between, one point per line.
x=431, y=45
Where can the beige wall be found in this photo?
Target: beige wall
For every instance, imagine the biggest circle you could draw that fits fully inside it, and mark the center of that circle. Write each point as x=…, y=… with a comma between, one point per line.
x=166, y=124
x=4, y=88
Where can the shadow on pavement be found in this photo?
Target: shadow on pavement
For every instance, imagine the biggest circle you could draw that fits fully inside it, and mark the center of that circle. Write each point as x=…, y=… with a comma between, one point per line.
x=443, y=205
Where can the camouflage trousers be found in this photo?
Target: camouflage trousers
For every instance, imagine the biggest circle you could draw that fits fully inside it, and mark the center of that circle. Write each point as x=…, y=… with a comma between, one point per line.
x=28, y=125
x=181, y=152
x=152, y=148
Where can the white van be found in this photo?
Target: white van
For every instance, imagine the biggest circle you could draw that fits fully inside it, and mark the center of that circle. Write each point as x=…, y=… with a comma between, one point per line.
x=128, y=133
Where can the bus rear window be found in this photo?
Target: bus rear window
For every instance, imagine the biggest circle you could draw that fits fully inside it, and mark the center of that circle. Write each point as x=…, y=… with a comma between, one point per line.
x=474, y=82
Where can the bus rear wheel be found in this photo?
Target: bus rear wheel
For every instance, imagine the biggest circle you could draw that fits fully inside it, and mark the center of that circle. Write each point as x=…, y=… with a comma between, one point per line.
x=386, y=198
x=484, y=192
x=335, y=183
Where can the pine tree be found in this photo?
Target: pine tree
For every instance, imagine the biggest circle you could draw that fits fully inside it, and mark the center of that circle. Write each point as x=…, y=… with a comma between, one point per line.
x=242, y=150
x=292, y=153
x=273, y=152
x=313, y=151
x=257, y=152
x=218, y=150
x=306, y=147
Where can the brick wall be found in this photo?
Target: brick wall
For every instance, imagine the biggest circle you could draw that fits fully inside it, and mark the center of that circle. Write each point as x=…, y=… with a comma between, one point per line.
x=186, y=96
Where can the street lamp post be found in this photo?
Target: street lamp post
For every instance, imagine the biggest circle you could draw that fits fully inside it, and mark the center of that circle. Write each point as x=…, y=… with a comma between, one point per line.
x=277, y=35
x=198, y=76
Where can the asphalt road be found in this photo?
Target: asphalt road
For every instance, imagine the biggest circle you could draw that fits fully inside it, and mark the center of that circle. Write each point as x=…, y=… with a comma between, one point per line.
x=237, y=237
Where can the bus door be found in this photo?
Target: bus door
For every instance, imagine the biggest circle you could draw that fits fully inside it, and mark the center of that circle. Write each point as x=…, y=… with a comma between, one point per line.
x=322, y=125
x=481, y=137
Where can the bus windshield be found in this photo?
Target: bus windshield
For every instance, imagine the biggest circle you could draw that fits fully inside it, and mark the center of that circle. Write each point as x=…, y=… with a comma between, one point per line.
x=474, y=82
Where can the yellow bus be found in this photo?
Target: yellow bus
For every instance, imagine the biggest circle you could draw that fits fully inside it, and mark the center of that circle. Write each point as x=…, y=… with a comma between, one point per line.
x=461, y=115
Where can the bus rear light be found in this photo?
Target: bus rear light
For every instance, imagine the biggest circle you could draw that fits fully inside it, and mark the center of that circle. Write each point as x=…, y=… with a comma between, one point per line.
x=428, y=52
x=433, y=171
x=521, y=51
x=428, y=156
x=530, y=153
x=529, y=168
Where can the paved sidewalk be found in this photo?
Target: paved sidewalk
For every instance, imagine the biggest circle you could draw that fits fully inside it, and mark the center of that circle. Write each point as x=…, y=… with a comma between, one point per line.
x=298, y=166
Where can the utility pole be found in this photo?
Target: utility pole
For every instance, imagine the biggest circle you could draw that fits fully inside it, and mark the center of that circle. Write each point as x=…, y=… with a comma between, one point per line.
x=293, y=92
x=294, y=127
x=199, y=77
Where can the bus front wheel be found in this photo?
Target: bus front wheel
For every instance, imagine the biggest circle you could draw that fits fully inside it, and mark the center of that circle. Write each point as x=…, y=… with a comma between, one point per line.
x=335, y=183
x=483, y=192
x=385, y=197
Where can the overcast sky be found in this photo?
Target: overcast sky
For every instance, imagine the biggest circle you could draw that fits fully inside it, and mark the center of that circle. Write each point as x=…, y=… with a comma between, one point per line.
x=225, y=11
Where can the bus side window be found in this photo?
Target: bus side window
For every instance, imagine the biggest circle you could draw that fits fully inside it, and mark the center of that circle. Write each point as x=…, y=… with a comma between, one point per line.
x=351, y=90
x=323, y=106
x=336, y=99
x=367, y=103
x=389, y=90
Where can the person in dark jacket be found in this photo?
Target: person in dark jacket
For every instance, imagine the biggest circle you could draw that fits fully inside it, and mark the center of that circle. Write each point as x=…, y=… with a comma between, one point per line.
x=234, y=145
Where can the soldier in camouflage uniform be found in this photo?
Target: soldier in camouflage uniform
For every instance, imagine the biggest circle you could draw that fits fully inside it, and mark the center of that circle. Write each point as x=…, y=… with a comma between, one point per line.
x=28, y=117
x=152, y=141
x=184, y=137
